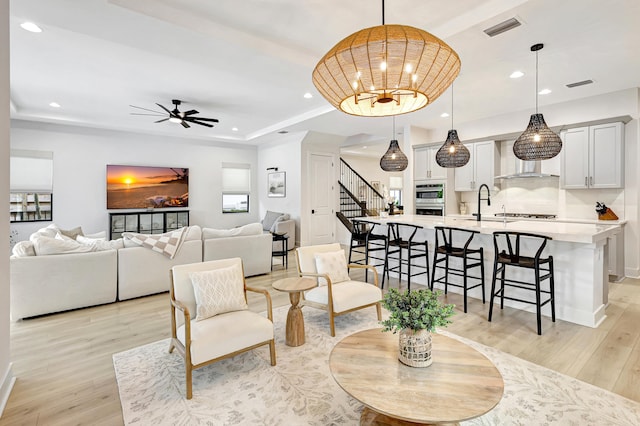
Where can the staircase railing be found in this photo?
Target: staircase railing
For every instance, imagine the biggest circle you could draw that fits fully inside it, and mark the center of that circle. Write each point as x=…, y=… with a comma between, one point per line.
x=357, y=196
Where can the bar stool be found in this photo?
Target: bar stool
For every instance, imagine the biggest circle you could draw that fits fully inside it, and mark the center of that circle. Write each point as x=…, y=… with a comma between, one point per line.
x=403, y=246
x=471, y=258
x=364, y=241
x=507, y=253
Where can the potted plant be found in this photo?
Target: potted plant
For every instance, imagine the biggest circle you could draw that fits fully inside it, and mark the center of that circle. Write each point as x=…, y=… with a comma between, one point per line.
x=415, y=314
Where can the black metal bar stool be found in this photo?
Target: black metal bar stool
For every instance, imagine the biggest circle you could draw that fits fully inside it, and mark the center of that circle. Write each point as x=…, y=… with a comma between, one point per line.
x=367, y=243
x=404, y=246
x=471, y=258
x=507, y=247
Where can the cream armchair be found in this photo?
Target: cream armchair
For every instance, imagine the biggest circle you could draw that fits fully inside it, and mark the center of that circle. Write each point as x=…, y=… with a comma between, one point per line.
x=336, y=292
x=210, y=320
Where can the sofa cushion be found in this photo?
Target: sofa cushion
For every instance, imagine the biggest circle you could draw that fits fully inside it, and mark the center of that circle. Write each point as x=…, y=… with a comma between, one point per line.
x=218, y=291
x=334, y=264
x=194, y=232
x=98, y=235
x=100, y=244
x=250, y=229
x=72, y=233
x=49, y=231
x=23, y=249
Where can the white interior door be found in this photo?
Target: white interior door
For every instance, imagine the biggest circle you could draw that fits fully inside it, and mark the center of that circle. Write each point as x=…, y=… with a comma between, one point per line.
x=322, y=186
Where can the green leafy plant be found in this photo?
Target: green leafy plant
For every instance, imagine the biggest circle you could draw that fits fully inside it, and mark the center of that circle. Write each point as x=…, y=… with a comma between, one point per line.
x=417, y=310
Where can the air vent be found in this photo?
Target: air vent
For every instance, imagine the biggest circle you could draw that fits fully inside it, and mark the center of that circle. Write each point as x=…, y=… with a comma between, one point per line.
x=579, y=83
x=507, y=25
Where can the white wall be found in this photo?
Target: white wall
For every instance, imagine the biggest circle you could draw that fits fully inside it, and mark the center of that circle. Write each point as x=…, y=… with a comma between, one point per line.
x=286, y=156
x=6, y=376
x=80, y=156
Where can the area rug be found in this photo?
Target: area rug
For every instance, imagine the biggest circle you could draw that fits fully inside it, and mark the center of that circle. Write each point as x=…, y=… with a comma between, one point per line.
x=300, y=389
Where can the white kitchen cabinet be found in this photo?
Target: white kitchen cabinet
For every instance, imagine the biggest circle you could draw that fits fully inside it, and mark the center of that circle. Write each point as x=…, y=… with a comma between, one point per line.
x=480, y=168
x=425, y=166
x=593, y=157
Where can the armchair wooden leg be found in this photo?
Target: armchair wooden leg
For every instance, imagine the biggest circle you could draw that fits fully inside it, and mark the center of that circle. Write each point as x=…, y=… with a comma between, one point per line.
x=272, y=351
x=189, y=372
x=171, y=347
x=332, y=324
x=379, y=310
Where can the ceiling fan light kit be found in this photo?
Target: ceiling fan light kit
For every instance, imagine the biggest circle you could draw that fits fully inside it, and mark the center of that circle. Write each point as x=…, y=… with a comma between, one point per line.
x=386, y=70
x=537, y=142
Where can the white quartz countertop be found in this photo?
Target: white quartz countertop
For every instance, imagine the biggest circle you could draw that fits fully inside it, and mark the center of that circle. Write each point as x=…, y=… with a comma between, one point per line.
x=588, y=233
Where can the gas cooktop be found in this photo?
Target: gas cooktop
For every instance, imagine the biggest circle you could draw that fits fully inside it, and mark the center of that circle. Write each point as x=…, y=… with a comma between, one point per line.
x=527, y=215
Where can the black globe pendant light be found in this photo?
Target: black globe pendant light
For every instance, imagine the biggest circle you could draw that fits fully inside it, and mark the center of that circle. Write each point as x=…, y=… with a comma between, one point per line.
x=452, y=153
x=394, y=159
x=537, y=142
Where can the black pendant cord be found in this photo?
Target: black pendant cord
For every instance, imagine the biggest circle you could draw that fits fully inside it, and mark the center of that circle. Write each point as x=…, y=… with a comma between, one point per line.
x=536, y=81
x=451, y=106
x=394, y=128
x=382, y=12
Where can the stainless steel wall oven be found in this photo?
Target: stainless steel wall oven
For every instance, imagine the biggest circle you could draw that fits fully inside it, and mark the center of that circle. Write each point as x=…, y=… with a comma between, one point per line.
x=430, y=199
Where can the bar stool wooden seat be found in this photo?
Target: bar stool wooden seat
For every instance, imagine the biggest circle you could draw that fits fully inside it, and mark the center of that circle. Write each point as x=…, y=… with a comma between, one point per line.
x=471, y=258
x=405, y=247
x=366, y=243
x=507, y=246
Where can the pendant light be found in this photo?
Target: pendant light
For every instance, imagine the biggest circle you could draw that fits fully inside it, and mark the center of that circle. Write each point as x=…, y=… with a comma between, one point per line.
x=394, y=159
x=452, y=153
x=538, y=142
x=386, y=70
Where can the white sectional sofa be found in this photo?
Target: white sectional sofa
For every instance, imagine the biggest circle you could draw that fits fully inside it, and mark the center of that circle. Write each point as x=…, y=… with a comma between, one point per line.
x=42, y=282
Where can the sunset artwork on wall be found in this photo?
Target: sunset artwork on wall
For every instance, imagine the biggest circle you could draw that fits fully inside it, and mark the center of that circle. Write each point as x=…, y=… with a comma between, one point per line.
x=136, y=187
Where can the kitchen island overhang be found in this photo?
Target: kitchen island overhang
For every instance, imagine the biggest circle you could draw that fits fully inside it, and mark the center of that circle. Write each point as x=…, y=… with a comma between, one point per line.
x=580, y=261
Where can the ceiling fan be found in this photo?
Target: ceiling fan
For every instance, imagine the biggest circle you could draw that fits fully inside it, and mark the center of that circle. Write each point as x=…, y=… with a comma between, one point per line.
x=177, y=116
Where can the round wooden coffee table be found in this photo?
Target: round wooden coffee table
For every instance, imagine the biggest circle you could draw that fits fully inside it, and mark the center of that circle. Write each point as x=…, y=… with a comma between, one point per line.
x=295, y=320
x=461, y=384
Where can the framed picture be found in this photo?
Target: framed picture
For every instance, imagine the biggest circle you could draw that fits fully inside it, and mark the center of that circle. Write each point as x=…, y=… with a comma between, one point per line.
x=277, y=184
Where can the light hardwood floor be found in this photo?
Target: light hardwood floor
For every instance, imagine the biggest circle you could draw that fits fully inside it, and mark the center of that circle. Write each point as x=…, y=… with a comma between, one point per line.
x=65, y=372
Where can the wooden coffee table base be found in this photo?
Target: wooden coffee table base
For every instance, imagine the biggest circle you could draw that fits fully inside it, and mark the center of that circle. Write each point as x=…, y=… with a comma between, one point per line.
x=372, y=418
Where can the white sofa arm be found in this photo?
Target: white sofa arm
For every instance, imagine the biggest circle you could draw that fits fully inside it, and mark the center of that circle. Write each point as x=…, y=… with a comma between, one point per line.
x=55, y=283
x=288, y=227
x=254, y=250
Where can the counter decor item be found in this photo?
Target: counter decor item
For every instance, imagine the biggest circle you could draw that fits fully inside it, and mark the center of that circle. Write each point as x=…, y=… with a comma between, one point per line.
x=415, y=314
x=604, y=212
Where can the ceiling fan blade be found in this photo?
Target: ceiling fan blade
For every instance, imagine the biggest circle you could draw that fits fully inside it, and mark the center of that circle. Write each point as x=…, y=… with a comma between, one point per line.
x=168, y=112
x=144, y=113
x=202, y=124
x=160, y=121
x=190, y=112
x=213, y=120
x=146, y=109
x=184, y=124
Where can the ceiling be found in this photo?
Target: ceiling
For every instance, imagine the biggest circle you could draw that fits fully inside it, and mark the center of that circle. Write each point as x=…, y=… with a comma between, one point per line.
x=248, y=63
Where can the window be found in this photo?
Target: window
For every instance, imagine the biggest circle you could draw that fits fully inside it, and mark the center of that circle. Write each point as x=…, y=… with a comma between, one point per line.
x=395, y=189
x=236, y=187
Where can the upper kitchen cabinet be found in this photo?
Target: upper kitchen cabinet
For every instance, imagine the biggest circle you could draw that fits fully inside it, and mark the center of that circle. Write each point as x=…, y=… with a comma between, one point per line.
x=480, y=168
x=593, y=157
x=425, y=166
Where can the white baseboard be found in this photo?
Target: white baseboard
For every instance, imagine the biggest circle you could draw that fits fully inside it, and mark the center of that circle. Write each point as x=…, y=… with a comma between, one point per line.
x=632, y=273
x=5, y=388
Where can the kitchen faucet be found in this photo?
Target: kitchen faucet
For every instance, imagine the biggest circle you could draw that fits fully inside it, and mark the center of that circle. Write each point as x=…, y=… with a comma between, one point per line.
x=478, y=216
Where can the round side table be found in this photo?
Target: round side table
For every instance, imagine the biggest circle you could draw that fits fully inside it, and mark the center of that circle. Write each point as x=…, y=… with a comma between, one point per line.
x=295, y=320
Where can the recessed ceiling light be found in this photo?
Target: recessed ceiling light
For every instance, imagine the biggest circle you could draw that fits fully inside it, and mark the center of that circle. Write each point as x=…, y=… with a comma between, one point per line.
x=444, y=115
x=30, y=26
x=54, y=105
x=544, y=92
x=308, y=95
x=235, y=129
x=516, y=74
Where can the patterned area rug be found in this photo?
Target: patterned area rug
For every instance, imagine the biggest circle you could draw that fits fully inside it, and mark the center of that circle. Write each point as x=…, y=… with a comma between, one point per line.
x=300, y=390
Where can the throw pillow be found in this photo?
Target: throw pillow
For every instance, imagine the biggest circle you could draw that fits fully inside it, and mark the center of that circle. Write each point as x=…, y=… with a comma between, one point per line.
x=72, y=233
x=334, y=264
x=47, y=246
x=270, y=219
x=23, y=249
x=218, y=291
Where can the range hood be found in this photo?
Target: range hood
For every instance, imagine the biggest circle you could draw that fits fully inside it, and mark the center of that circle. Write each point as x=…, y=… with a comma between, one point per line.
x=527, y=169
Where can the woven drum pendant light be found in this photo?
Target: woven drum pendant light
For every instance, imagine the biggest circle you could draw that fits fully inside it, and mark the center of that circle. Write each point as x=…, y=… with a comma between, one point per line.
x=452, y=153
x=394, y=159
x=386, y=70
x=537, y=142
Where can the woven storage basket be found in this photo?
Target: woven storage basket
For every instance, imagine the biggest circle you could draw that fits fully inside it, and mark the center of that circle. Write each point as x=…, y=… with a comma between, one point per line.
x=415, y=348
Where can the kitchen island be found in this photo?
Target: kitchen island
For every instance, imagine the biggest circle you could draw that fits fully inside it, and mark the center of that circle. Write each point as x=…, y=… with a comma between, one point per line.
x=579, y=252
